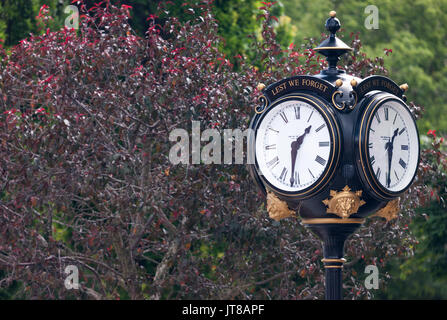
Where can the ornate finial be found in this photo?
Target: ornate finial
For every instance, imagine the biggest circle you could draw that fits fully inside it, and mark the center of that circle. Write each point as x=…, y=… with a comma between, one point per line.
x=344, y=203
x=353, y=83
x=277, y=208
x=332, y=24
x=339, y=83
x=332, y=47
x=261, y=86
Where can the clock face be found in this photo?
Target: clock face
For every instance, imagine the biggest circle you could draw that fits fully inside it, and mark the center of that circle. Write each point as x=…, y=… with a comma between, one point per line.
x=293, y=145
x=393, y=145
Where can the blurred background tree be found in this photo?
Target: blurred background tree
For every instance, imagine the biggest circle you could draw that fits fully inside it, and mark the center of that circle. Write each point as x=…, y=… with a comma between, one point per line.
x=18, y=17
x=416, y=35
x=423, y=275
x=414, y=30
x=16, y=20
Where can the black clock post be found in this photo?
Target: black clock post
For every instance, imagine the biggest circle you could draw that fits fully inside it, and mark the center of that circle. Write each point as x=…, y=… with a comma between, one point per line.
x=335, y=149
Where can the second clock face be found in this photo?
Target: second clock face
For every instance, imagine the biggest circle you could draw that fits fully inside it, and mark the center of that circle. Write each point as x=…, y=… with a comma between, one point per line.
x=293, y=145
x=393, y=146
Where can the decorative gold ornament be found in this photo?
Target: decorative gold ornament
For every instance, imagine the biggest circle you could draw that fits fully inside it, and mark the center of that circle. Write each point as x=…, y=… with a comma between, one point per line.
x=327, y=260
x=390, y=211
x=332, y=221
x=260, y=109
x=333, y=14
x=277, y=208
x=404, y=87
x=339, y=82
x=344, y=203
x=261, y=86
x=353, y=83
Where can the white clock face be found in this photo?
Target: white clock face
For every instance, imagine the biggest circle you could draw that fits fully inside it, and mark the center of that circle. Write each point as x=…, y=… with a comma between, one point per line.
x=393, y=146
x=293, y=145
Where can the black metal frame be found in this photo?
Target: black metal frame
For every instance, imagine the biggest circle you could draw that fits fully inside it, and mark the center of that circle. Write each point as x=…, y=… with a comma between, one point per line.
x=346, y=106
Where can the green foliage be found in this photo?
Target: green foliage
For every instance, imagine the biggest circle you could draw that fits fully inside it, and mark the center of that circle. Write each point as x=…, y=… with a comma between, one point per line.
x=237, y=20
x=415, y=31
x=16, y=20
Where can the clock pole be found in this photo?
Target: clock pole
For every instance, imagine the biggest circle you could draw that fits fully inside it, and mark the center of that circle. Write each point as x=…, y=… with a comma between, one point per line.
x=333, y=237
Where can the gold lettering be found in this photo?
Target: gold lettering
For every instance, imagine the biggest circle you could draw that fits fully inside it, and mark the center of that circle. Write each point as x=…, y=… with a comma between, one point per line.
x=294, y=83
x=279, y=88
x=390, y=86
x=297, y=83
x=314, y=84
x=365, y=87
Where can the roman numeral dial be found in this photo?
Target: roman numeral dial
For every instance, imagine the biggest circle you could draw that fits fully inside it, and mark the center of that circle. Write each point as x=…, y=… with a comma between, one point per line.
x=293, y=145
x=392, y=146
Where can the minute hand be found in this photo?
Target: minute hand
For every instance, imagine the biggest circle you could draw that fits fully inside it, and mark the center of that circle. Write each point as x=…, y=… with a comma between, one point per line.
x=389, y=147
x=295, y=146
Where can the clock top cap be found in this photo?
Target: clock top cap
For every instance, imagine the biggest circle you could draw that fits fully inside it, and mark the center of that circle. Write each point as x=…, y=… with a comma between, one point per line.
x=332, y=48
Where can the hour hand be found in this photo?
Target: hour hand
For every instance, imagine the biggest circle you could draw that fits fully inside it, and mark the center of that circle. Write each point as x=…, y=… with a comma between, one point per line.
x=293, y=153
x=307, y=129
x=389, y=148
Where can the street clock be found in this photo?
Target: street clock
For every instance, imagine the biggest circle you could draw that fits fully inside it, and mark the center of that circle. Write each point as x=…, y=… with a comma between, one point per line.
x=297, y=145
x=335, y=149
x=388, y=146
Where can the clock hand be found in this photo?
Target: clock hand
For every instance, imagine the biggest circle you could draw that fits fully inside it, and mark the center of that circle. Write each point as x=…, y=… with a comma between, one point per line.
x=293, y=153
x=390, y=157
x=394, y=135
x=389, y=146
x=295, y=145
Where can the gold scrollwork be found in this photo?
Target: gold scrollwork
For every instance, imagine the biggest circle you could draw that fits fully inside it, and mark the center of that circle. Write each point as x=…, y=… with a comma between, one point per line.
x=260, y=109
x=335, y=103
x=344, y=203
x=350, y=104
x=277, y=208
x=390, y=211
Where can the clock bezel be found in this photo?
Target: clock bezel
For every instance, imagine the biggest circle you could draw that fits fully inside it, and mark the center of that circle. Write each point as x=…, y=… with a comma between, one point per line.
x=364, y=166
x=335, y=147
